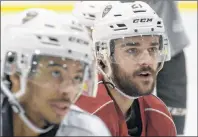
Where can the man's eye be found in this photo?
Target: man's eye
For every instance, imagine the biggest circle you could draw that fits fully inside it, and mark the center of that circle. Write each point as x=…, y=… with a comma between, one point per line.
x=133, y=51
x=153, y=50
x=78, y=79
x=56, y=73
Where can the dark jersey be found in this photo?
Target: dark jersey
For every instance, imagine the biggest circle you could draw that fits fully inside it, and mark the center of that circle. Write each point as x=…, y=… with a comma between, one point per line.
x=152, y=117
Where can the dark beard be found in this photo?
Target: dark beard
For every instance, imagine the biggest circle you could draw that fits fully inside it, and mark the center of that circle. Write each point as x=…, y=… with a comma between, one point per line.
x=123, y=82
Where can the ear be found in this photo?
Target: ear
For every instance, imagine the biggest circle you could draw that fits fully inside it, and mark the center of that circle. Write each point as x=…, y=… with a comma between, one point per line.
x=108, y=69
x=15, y=80
x=104, y=64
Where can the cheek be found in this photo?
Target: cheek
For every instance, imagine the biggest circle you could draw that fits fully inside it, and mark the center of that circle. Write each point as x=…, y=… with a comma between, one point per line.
x=72, y=91
x=42, y=93
x=127, y=66
x=123, y=60
x=46, y=83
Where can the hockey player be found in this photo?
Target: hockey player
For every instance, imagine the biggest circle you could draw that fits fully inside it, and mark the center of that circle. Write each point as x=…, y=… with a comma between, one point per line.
x=132, y=48
x=88, y=11
x=46, y=65
x=171, y=86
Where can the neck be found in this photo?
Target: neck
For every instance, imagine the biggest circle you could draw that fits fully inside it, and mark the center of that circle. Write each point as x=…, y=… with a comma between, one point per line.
x=20, y=128
x=123, y=102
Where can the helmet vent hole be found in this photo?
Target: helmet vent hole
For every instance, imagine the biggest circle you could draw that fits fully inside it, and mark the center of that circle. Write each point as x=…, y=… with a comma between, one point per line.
x=138, y=11
x=75, y=28
x=121, y=25
x=117, y=15
x=92, y=16
x=69, y=51
x=39, y=37
x=53, y=39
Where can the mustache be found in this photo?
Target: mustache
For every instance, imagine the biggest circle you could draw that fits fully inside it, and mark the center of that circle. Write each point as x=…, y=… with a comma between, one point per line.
x=149, y=69
x=66, y=100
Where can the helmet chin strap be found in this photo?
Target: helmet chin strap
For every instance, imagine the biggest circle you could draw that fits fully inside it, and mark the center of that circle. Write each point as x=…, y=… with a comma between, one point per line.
x=125, y=95
x=160, y=67
x=17, y=108
x=33, y=127
x=120, y=91
x=115, y=87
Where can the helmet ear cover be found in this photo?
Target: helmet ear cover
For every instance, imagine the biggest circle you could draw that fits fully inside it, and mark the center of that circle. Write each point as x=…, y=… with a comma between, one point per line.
x=10, y=63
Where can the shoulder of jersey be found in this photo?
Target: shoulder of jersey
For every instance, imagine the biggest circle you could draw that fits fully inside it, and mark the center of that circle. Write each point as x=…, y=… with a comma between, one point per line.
x=93, y=105
x=152, y=101
x=157, y=112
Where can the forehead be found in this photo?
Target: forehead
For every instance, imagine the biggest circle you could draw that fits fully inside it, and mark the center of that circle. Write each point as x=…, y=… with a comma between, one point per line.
x=139, y=39
x=49, y=60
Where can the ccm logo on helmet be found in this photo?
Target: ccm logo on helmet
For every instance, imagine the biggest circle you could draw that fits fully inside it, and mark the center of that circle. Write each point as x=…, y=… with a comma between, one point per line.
x=142, y=20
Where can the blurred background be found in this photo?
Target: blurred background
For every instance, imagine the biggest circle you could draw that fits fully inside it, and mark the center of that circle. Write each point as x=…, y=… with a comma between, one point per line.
x=188, y=11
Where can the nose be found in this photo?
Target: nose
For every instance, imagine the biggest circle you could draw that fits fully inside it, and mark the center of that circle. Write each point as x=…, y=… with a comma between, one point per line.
x=66, y=87
x=145, y=59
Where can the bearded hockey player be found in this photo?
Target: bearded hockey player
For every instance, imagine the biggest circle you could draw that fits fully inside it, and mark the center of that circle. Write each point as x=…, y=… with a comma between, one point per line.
x=132, y=48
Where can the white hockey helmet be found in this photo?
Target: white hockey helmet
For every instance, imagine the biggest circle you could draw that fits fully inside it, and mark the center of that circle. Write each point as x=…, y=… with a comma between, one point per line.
x=124, y=20
x=88, y=11
x=120, y=20
x=50, y=36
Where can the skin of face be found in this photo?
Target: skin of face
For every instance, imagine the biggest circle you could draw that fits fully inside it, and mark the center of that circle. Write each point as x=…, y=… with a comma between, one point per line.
x=135, y=64
x=51, y=89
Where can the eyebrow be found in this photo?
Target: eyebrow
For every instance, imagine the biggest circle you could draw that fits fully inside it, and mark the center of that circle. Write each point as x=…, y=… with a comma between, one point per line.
x=56, y=65
x=138, y=44
x=59, y=65
x=155, y=43
x=132, y=44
